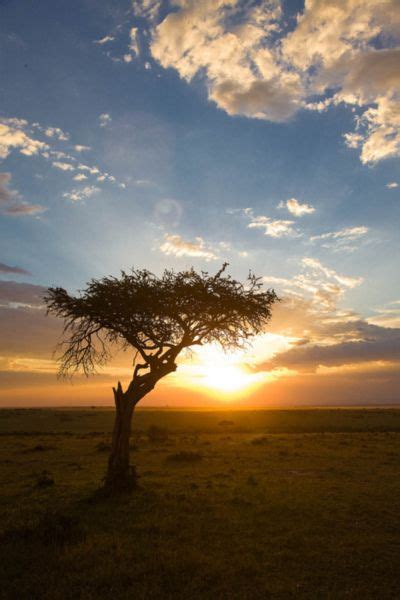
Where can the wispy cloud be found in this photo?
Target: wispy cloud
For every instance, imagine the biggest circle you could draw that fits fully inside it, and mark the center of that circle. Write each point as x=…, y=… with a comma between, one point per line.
x=322, y=284
x=341, y=238
x=13, y=270
x=24, y=209
x=11, y=202
x=175, y=245
x=6, y=194
x=273, y=228
x=392, y=185
x=104, y=40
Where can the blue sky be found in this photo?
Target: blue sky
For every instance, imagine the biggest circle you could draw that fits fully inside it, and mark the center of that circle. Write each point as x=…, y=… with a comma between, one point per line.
x=156, y=134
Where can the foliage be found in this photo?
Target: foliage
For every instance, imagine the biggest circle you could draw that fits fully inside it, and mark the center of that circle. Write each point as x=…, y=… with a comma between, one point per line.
x=157, y=316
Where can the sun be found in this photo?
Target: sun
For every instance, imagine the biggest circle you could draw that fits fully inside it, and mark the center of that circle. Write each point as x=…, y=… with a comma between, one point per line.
x=216, y=371
x=225, y=378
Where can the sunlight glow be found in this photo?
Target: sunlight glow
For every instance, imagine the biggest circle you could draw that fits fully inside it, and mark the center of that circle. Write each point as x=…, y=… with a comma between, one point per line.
x=230, y=374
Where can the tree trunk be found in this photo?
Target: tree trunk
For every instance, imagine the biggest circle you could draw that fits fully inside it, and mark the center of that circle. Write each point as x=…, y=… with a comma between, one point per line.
x=121, y=476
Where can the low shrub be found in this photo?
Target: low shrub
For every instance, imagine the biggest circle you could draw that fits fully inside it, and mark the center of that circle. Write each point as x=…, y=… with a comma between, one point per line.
x=157, y=435
x=185, y=456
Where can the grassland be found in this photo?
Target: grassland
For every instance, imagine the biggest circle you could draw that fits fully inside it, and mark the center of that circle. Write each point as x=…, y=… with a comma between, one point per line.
x=231, y=505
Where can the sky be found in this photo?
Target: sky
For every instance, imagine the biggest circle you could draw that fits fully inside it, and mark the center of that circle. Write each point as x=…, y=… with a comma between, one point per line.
x=154, y=134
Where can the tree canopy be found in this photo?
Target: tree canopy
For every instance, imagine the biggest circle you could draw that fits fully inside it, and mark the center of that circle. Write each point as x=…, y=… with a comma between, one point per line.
x=157, y=316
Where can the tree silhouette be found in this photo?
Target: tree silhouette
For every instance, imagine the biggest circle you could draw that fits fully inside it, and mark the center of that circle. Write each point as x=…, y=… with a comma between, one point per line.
x=157, y=317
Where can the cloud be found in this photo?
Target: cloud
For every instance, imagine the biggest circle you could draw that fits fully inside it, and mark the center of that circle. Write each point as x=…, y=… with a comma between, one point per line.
x=177, y=246
x=79, y=177
x=24, y=209
x=387, y=316
x=57, y=133
x=5, y=193
x=81, y=148
x=341, y=238
x=11, y=203
x=104, y=40
x=63, y=166
x=392, y=185
x=254, y=65
x=317, y=285
x=323, y=335
x=134, y=43
x=147, y=9
x=16, y=270
x=104, y=119
x=12, y=292
x=377, y=344
x=13, y=136
x=273, y=228
x=77, y=195
x=297, y=209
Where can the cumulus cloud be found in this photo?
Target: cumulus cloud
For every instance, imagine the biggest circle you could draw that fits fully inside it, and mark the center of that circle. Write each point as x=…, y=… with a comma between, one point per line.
x=15, y=270
x=57, y=133
x=254, y=65
x=175, y=245
x=296, y=208
x=13, y=136
x=104, y=119
x=79, y=177
x=77, y=195
x=392, y=185
x=81, y=148
x=63, y=166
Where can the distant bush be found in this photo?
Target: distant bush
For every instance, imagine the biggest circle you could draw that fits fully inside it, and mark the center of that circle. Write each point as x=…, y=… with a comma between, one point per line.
x=185, y=456
x=40, y=448
x=260, y=440
x=45, y=479
x=157, y=435
x=59, y=529
x=53, y=529
x=103, y=447
x=251, y=480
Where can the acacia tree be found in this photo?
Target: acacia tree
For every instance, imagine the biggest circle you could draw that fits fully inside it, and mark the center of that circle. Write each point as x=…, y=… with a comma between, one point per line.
x=157, y=318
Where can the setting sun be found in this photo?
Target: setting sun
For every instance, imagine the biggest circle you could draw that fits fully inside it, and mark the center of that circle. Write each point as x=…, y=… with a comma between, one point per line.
x=226, y=378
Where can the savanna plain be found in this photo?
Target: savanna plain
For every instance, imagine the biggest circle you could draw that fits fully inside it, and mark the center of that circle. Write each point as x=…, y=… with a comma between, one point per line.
x=233, y=504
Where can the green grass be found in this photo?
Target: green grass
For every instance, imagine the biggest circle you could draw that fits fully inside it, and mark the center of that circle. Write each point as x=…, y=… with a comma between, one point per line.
x=235, y=505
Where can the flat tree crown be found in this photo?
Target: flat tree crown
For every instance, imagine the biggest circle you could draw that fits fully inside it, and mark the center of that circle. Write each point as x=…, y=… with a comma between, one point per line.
x=157, y=315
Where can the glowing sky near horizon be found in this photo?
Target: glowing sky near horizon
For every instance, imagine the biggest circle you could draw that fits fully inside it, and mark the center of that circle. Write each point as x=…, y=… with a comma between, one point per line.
x=176, y=133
